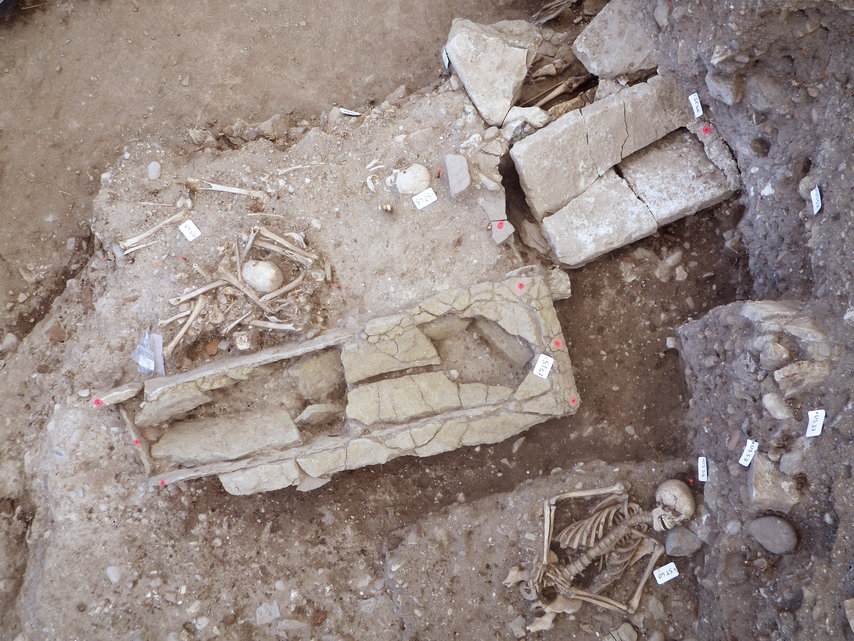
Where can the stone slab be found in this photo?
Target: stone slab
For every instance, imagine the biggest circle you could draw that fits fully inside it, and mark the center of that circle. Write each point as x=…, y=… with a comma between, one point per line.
x=674, y=178
x=391, y=344
x=225, y=438
x=606, y=216
x=617, y=41
x=492, y=62
x=770, y=489
x=560, y=161
x=320, y=414
x=402, y=399
x=457, y=173
x=261, y=478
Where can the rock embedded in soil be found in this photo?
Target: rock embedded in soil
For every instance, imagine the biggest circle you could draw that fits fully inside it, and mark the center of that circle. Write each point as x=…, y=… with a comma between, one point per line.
x=457, y=173
x=768, y=488
x=681, y=541
x=775, y=534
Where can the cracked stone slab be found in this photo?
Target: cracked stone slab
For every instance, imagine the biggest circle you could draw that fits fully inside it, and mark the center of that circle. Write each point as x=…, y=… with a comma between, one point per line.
x=618, y=41
x=390, y=344
x=674, y=177
x=606, y=216
x=491, y=62
x=225, y=437
x=561, y=160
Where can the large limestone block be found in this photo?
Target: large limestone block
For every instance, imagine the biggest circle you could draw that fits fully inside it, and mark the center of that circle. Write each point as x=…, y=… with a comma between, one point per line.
x=225, y=438
x=261, y=478
x=392, y=344
x=491, y=62
x=606, y=216
x=561, y=160
x=617, y=41
x=674, y=178
x=402, y=399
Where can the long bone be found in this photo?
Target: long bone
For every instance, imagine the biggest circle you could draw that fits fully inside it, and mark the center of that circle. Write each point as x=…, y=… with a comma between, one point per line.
x=197, y=184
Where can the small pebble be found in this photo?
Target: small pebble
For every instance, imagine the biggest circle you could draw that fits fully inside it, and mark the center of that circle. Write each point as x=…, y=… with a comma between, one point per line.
x=774, y=534
x=84, y=393
x=114, y=573
x=154, y=170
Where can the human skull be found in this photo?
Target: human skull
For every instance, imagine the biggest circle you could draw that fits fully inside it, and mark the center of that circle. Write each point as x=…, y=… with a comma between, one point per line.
x=674, y=505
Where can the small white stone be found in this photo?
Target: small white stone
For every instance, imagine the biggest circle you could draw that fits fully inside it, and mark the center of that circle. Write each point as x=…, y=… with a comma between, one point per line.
x=154, y=170
x=114, y=573
x=413, y=180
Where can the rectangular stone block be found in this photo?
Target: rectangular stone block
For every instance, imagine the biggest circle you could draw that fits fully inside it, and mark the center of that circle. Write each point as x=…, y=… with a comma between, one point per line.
x=674, y=178
x=606, y=216
x=561, y=160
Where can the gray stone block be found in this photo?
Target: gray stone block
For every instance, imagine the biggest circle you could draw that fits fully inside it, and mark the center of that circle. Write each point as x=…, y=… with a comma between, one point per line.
x=606, y=216
x=768, y=488
x=618, y=41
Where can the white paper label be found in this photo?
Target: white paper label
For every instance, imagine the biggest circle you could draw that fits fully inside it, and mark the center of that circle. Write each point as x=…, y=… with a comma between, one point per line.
x=815, y=196
x=665, y=573
x=543, y=366
x=426, y=197
x=350, y=112
x=445, y=60
x=694, y=99
x=815, y=423
x=189, y=229
x=749, y=452
x=702, y=469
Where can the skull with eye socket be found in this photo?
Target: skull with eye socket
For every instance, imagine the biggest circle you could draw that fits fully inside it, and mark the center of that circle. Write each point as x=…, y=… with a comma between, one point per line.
x=674, y=505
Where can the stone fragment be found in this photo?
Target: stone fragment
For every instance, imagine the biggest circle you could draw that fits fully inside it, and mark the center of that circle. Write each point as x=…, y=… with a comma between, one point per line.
x=457, y=172
x=533, y=116
x=412, y=180
x=726, y=88
x=393, y=343
x=606, y=216
x=225, y=437
x=362, y=452
x=510, y=346
x=153, y=170
x=445, y=327
x=261, y=478
x=801, y=376
x=809, y=337
x=320, y=414
x=626, y=632
x=501, y=231
x=768, y=488
x=617, y=41
x=119, y=394
x=776, y=406
x=492, y=62
x=318, y=376
x=171, y=403
x=561, y=160
x=774, y=534
x=266, y=613
x=793, y=462
x=263, y=276
x=681, y=541
x=114, y=573
x=402, y=399
x=322, y=463
x=758, y=311
x=517, y=627
x=773, y=355
x=309, y=483
x=674, y=178
x=532, y=236
x=559, y=284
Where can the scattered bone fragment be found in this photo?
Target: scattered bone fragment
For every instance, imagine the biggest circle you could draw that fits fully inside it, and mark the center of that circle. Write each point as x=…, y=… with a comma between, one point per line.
x=119, y=394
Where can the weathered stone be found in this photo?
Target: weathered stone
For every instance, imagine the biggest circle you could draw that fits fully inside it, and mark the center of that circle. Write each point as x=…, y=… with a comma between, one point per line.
x=559, y=284
x=617, y=42
x=225, y=437
x=118, y=394
x=492, y=62
x=793, y=462
x=261, y=478
x=531, y=234
x=848, y=605
x=511, y=347
x=758, y=311
x=457, y=173
x=362, y=452
x=810, y=338
x=318, y=376
x=768, y=489
x=801, y=376
x=773, y=355
x=726, y=88
x=266, y=613
x=501, y=231
x=560, y=161
x=533, y=116
x=173, y=402
x=320, y=414
x=774, y=534
x=681, y=541
x=606, y=216
x=322, y=463
x=776, y=406
x=674, y=178
x=393, y=344
x=445, y=327
x=402, y=399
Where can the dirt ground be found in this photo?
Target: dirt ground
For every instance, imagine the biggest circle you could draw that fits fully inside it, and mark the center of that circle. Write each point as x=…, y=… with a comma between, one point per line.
x=196, y=563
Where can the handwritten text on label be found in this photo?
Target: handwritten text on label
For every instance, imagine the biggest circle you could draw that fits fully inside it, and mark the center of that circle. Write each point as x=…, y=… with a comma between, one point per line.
x=665, y=573
x=815, y=197
x=189, y=229
x=702, y=469
x=749, y=452
x=426, y=197
x=815, y=423
x=697, y=107
x=543, y=366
